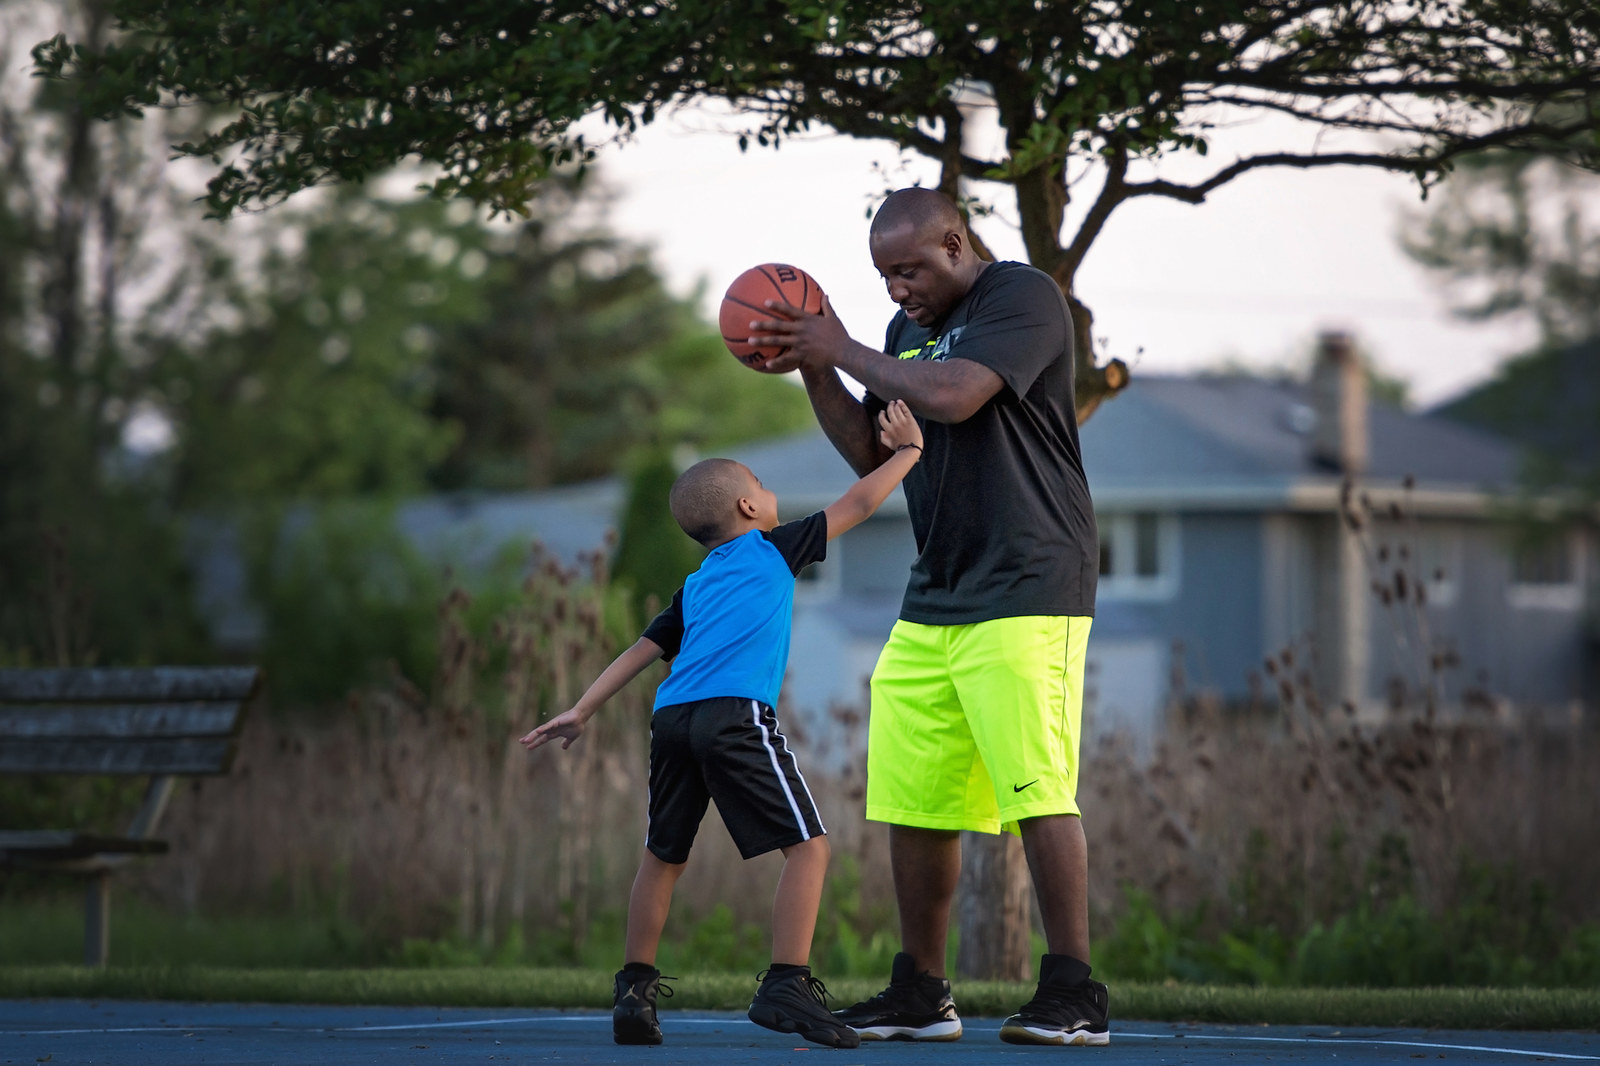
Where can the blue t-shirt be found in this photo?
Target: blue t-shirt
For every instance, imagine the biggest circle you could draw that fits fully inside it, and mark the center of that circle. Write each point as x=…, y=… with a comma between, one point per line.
x=727, y=630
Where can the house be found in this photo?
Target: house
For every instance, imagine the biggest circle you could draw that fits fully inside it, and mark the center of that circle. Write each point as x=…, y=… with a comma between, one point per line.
x=1222, y=544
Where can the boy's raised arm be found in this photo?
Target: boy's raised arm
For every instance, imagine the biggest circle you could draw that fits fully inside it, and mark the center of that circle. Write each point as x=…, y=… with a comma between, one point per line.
x=897, y=431
x=569, y=725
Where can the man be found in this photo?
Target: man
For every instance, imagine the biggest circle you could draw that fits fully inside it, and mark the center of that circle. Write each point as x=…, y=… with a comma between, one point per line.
x=976, y=698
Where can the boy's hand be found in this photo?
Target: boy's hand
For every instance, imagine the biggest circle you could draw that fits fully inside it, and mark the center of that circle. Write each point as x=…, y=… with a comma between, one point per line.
x=566, y=727
x=897, y=426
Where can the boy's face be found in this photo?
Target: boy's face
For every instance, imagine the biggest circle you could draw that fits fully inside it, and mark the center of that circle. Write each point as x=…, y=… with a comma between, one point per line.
x=762, y=502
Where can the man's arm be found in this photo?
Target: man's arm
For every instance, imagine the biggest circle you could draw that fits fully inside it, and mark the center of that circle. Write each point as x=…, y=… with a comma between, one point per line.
x=901, y=438
x=949, y=391
x=846, y=420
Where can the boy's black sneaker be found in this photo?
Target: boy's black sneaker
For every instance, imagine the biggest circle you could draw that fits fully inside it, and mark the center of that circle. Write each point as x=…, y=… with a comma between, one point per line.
x=1059, y=1012
x=792, y=1001
x=915, y=1006
x=633, y=1011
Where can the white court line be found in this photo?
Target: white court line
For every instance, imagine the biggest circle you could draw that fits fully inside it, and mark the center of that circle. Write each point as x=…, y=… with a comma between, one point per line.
x=599, y=1016
x=458, y=1025
x=1347, y=1040
x=127, y=1029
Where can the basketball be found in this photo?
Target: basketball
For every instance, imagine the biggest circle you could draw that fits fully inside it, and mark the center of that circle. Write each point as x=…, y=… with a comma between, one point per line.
x=745, y=301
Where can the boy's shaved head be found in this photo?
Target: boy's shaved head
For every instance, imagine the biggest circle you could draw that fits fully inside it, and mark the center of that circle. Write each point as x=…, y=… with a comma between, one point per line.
x=925, y=210
x=705, y=497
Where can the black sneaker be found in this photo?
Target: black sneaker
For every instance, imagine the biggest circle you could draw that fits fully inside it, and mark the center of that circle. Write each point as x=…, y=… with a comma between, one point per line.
x=633, y=1014
x=1061, y=1013
x=915, y=1006
x=795, y=1002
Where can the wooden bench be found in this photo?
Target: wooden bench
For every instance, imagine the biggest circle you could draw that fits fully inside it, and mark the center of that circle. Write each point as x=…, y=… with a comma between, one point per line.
x=158, y=721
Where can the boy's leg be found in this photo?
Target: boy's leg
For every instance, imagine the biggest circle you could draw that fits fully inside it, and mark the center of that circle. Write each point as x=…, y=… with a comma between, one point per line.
x=790, y=1000
x=794, y=906
x=647, y=907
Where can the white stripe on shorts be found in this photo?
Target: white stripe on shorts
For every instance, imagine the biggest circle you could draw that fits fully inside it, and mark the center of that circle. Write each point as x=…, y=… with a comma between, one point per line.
x=801, y=775
x=766, y=739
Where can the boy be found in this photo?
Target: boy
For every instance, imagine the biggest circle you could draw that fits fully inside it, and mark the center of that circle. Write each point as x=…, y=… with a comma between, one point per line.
x=714, y=735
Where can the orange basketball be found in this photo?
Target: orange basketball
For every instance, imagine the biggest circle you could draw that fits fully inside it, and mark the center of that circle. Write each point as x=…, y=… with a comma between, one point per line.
x=745, y=301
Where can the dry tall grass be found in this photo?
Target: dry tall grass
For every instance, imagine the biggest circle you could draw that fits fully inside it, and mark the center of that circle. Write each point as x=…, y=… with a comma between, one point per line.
x=419, y=814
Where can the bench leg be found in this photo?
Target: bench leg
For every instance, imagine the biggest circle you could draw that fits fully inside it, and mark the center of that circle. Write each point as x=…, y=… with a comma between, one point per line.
x=97, y=919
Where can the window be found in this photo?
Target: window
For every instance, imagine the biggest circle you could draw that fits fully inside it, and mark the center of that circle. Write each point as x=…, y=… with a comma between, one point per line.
x=1546, y=572
x=1138, y=556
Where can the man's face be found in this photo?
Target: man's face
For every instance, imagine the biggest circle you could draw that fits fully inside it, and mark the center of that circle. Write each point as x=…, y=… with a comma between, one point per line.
x=919, y=270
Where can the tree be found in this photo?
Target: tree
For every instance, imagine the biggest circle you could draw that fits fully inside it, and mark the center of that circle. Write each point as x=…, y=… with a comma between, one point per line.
x=490, y=93
x=95, y=264
x=582, y=356
x=1517, y=235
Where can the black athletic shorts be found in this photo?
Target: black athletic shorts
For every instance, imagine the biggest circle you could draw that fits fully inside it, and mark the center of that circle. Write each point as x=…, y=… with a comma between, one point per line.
x=728, y=750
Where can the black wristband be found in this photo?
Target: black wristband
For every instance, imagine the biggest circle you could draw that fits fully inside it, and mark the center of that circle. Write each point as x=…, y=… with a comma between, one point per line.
x=903, y=447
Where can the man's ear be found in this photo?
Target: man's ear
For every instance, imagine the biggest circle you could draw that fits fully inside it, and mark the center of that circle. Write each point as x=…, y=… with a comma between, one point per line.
x=954, y=247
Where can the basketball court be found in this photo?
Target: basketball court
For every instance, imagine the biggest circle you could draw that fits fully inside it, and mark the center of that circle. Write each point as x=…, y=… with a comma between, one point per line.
x=121, y=1033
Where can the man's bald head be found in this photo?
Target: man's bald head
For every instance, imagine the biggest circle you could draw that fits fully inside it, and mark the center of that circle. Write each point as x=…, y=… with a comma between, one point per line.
x=705, y=498
x=920, y=246
x=927, y=212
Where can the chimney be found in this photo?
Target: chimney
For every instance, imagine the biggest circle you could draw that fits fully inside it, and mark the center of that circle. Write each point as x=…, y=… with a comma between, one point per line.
x=1339, y=398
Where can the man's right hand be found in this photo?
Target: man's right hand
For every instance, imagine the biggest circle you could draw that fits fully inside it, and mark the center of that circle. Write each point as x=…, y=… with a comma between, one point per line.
x=814, y=340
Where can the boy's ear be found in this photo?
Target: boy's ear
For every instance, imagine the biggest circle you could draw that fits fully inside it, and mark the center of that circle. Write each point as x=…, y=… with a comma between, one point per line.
x=746, y=508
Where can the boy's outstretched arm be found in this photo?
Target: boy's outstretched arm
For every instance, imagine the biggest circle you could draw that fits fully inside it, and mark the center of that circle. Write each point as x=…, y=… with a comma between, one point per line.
x=898, y=431
x=569, y=725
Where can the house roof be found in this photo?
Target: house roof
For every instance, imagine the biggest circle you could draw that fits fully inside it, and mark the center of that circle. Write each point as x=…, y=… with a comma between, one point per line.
x=1238, y=441
x=468, y=529
x=1210, y=441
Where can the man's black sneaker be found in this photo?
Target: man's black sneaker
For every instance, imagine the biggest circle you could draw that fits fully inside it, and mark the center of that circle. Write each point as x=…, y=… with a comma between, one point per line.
x=792, y=1001
x=915, y=1006
x=633, y=1011
x=1059, y=1012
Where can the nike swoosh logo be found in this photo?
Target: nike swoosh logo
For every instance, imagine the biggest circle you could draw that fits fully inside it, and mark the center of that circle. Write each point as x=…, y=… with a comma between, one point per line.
x=1030, y=784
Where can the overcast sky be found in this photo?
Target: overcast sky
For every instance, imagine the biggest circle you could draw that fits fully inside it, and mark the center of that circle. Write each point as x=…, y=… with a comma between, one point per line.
x=1247, y=278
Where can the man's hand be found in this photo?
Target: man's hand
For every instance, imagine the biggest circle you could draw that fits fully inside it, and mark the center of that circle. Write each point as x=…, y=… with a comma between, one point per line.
x=567, y=727
x=815, y=340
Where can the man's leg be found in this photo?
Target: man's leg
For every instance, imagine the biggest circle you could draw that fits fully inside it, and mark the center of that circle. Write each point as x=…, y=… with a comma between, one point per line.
x=1058, y=859
x=926, y=864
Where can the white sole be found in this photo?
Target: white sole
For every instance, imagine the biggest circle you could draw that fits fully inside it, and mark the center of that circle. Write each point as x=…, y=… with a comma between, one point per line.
x=935, y=1032
x=1027, y=1034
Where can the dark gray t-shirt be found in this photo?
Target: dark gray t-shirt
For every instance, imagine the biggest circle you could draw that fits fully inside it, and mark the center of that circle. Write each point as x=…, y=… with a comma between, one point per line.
x=999, y=503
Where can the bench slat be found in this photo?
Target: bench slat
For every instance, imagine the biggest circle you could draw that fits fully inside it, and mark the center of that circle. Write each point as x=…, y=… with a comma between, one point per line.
x=166, y=755
x=68, y=844
x=128, y=684
x=193, y=719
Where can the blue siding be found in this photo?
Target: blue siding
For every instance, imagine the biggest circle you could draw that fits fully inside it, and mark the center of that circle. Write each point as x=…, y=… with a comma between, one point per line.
x=1216, y=613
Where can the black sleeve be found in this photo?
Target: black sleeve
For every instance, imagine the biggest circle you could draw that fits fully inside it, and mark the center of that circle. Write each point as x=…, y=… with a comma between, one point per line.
x=802, y=542
x=666, y=629
x=1021, y=328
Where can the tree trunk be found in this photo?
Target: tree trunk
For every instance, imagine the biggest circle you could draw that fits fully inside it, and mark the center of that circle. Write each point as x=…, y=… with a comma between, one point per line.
x=994, y=909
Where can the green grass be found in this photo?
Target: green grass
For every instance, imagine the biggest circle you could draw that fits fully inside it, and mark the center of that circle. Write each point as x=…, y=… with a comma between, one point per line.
x=1429, y=1008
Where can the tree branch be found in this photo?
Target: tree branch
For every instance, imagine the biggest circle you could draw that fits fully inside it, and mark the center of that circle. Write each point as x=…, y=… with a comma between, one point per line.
x=1419, y=165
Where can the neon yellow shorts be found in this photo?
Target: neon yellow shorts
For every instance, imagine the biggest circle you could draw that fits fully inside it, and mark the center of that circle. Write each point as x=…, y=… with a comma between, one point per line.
x=976, y=726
